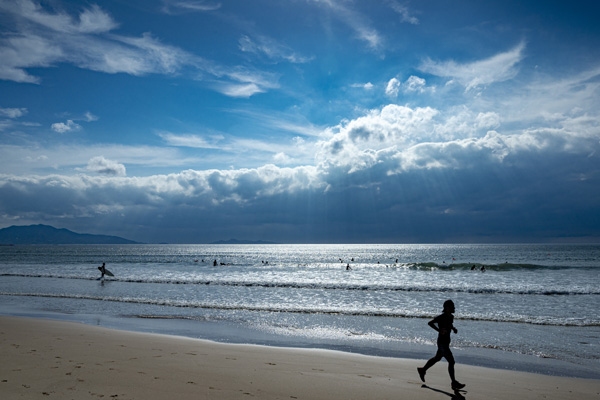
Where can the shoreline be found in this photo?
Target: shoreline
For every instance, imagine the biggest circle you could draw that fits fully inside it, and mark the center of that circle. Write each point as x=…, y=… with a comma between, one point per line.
x=231, y=333
x=48, y=358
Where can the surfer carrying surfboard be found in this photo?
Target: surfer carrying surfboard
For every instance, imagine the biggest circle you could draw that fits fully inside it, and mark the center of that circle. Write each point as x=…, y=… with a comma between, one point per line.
x=102, y=270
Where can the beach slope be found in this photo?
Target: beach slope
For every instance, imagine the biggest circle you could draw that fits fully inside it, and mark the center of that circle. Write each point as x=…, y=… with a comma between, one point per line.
x=45, y=359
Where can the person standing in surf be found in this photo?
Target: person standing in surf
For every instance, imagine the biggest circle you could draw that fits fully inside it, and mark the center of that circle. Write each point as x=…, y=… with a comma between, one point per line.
x=443, y=324
x=102, y=270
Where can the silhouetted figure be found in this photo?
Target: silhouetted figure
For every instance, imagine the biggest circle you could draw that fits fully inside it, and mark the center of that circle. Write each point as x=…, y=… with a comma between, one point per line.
x=483, y=268
x=102, y=270
x=443, y=324
x=348, y=267
x=473, y=267
x=215, y=263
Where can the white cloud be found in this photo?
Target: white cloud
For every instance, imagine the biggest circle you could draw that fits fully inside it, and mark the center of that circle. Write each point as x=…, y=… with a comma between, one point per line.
x=12, y=112
x=355, y=21
x=51, y=38
x=66, y=159
x=366, y=86
x=143, y=55
x=498, y=68
x=404, y=12
x=393, y=88
x=28, y=50
x=95, y=20
x=177, y=7
x=195, y=141
x=242, y=90
x=293, y=123
x=243, y=82
x=488, y=120
x=90, y=42
x=89, y=117
x=92, y=20
x=282, y=158
x=103, y=166
x=274, y=50
x=414, y=84
x=393, y=126
x=62, y=127
x=551, y=99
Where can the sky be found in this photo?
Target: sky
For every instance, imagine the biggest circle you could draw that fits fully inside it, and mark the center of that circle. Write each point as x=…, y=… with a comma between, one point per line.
x=302, y=121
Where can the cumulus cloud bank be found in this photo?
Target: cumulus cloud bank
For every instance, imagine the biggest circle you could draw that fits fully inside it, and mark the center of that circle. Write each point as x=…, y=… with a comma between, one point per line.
x=397, y=160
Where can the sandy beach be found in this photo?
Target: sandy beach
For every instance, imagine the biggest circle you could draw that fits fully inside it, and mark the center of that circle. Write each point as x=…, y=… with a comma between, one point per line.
x=63, y=360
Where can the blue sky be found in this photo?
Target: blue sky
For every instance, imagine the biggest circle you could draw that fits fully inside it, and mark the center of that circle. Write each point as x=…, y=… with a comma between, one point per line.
x=190, y=121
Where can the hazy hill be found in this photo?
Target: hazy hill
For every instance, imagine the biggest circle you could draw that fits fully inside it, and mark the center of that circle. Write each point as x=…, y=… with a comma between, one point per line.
x=45, y=234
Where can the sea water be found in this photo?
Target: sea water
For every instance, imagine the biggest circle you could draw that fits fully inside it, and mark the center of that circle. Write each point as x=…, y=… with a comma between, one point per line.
x=532, y=307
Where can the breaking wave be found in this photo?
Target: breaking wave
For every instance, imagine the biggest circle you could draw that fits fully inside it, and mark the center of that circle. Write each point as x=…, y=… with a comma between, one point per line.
x=305, y=310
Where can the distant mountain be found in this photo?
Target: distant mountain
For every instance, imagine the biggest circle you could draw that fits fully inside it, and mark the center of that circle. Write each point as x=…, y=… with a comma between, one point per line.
x=45, y=234
x=237, y=241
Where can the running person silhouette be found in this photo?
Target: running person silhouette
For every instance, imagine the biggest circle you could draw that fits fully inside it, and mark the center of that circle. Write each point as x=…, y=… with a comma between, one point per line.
x=443, y=323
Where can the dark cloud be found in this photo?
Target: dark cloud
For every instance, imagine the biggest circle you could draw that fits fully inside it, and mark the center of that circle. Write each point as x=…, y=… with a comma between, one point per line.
x=452, y=192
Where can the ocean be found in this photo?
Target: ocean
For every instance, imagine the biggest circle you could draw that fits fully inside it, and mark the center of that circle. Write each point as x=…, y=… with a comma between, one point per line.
x=533, y=307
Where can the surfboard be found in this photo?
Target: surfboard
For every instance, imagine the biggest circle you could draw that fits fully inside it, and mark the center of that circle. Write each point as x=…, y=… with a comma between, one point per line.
x=106, y=272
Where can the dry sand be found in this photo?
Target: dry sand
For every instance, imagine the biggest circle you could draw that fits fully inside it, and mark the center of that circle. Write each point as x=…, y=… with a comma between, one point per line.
x=62, y=360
